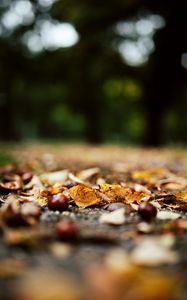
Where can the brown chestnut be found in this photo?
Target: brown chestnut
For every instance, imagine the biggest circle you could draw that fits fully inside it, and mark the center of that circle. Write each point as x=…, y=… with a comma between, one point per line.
x=57, y=202
x=147, y=211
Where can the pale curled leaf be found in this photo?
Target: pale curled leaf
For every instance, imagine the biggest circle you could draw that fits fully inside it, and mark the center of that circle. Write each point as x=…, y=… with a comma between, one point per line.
x=12, y=202
x=141, y=188
x=54, y=177
x=86, y=174
x=173, y=186
x=11, y=185
x=35, y=183
x=84, y=196
x=74, y=178
x=36, y=188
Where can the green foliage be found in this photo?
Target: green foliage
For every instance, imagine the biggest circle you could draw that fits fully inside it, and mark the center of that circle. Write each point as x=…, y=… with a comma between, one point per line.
x=69, y=124
x=88, y=90
x=4, y=158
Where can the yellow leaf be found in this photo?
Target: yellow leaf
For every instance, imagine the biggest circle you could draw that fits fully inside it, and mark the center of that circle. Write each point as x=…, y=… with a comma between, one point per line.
x=84, y=196
x=115, y=192
x=172, y=186
x=148, y=174
x=181, y=195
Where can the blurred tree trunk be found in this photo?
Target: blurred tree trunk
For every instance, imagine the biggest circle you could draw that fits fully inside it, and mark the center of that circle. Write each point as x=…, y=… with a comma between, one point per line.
x=86, y=86
x=92, y=115
x=8, y=130
x=167, y=72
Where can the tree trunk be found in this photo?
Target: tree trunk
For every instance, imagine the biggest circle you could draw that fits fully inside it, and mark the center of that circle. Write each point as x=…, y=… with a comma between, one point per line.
x=167, y=75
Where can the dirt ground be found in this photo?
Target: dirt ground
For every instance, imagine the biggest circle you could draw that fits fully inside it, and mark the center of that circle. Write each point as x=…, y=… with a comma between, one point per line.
x=106, y=246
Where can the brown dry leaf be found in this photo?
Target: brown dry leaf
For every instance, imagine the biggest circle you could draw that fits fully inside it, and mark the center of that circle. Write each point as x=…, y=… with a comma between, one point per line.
x=181, y=200
x=13, y=202
x=172, y=186
x=177, y=205
x=177, y=200
x=115, y=192
x=136, y=197
x=37, y=198
x=11, y=185
x=52, y=190
x=181, y=196
x=36, y=188
x=84, y=196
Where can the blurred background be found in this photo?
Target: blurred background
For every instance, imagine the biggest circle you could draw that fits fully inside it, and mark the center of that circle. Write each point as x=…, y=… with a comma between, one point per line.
x=93, y=70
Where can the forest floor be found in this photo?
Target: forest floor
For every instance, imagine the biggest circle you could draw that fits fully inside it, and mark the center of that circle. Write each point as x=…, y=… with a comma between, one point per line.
x=82, y=222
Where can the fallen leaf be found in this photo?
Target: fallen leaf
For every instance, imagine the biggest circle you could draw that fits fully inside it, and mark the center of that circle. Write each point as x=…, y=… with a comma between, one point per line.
x=115, y=193
x=84, y=196
x=87, y=174
x=149, y=175
x=74, y=178
x=181, y=195
x=172, y=186
x=141, y=188
x=11, y=185
x=54, y=177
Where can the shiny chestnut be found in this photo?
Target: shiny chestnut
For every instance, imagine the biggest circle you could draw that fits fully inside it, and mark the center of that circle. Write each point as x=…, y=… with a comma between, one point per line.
x=147, y=211
x=57, y=202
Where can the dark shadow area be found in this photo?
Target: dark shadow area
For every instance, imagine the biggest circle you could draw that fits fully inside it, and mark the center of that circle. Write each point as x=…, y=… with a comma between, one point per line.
x=96, y=71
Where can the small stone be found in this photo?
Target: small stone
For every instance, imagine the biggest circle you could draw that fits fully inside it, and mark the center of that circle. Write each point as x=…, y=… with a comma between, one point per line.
x=116, y=205
x=116, y=217
x=151, y=252
x=145, y=227
x=167, y=215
